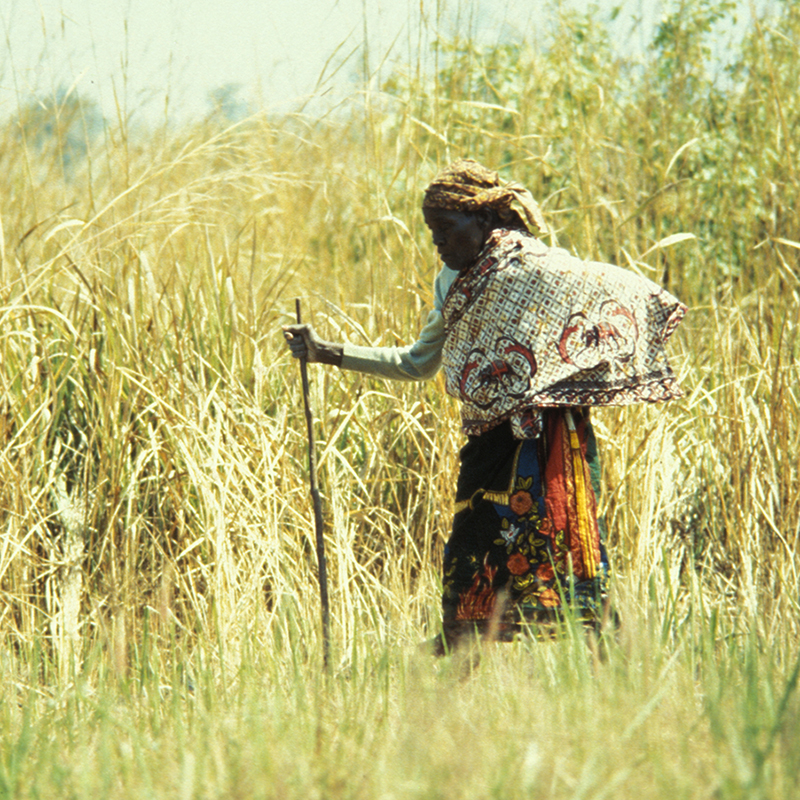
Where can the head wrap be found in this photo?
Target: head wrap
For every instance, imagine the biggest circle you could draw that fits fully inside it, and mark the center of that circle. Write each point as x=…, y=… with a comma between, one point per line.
x=468, y=186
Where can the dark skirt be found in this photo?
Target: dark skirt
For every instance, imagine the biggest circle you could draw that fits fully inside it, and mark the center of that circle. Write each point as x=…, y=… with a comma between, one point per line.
x=526, y=542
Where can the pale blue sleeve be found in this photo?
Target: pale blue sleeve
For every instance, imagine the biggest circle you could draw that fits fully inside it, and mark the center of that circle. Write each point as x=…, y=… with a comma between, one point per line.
x=416, y=362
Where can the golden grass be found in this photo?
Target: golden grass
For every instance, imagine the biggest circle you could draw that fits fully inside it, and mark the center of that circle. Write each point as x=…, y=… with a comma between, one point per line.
x=159, y=608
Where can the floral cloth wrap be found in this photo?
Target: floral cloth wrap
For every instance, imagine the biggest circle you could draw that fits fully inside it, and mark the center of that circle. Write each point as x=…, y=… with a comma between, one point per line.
x=531, y=326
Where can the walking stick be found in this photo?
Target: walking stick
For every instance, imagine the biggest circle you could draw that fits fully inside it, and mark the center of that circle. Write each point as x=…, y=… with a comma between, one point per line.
x=315, y=498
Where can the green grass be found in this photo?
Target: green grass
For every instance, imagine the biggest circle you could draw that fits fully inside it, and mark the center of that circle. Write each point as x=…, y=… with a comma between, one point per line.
x=697, y=709
x=155, y=528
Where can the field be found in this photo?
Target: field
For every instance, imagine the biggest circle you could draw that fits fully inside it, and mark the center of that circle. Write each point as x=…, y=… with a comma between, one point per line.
x=159, y=607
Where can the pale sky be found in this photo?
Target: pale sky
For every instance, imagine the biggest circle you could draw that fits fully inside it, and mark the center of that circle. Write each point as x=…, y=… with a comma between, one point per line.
x=138, y=52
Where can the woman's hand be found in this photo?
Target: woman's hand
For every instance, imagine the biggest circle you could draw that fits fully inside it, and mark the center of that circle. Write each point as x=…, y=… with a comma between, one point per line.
x=304, y=343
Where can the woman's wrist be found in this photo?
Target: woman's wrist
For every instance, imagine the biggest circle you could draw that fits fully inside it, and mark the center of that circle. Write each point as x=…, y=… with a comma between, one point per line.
x=330, y=353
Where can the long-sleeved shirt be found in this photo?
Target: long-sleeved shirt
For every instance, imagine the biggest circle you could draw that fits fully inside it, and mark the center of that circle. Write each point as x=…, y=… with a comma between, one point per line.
x=416, y=362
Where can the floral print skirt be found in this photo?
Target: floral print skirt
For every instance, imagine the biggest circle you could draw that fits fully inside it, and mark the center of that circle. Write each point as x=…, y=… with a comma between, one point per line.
x=526, y=541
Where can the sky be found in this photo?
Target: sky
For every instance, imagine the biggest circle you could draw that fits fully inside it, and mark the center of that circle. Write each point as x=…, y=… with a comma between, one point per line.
x=164, y=57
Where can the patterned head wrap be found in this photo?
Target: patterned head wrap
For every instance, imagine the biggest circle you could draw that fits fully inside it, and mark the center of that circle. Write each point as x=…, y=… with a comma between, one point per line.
x=467, y=185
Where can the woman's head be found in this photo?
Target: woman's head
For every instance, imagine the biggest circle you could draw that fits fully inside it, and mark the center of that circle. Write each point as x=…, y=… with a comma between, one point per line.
x=468, y=187
x=459, y=236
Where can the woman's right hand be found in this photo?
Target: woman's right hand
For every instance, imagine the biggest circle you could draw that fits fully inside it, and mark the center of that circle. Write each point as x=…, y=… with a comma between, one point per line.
x=304, y=343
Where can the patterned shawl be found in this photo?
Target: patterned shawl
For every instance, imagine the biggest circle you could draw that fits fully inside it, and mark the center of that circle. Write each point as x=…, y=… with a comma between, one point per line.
x=530, y=326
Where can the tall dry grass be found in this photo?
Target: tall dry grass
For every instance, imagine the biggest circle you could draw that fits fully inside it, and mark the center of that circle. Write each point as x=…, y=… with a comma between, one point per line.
x=159, y=603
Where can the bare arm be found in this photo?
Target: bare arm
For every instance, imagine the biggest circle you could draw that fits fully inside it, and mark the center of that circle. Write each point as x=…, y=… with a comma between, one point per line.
x=304, y=343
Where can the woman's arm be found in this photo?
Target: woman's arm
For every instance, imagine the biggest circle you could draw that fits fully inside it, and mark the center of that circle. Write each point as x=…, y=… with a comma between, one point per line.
x=416, y=362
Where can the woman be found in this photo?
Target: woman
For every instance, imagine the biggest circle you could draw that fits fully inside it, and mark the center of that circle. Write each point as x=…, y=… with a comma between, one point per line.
x=529, y=338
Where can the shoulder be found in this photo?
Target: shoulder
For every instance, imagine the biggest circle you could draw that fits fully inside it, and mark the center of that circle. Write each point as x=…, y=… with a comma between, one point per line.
x=505, y=241
x=441, y=285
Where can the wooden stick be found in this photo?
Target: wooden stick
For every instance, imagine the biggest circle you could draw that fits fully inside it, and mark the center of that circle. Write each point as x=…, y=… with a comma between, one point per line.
x=316, y=500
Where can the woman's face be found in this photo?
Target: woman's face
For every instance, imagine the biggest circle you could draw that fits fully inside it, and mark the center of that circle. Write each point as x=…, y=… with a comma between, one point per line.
x=458, y=235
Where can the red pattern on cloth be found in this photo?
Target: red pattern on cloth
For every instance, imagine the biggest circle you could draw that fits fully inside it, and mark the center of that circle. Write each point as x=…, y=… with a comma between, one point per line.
x=560, y=495
x=531, y=326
